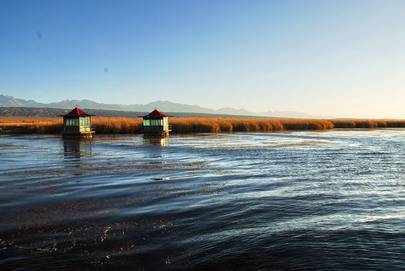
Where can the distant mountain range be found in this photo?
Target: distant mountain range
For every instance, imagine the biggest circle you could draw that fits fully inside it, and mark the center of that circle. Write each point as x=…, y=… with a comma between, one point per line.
x=165, y=106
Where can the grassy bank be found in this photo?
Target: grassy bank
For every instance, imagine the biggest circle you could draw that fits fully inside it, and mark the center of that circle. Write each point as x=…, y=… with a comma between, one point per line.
x=125, y=125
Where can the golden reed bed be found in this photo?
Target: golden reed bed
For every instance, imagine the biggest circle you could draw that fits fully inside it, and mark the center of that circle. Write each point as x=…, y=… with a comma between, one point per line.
x=125, y=125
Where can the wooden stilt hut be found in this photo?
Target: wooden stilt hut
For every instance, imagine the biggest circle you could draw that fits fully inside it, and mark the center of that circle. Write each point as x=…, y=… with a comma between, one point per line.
x=77, y=124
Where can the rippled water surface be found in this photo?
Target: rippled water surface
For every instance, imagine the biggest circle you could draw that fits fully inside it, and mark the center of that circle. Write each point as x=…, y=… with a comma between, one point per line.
x=306, y=200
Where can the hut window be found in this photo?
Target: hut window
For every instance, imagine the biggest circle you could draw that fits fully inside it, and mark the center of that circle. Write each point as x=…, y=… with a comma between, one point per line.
x=72, y=122
x=85, y=122
x=156, y=122
x=146, y=122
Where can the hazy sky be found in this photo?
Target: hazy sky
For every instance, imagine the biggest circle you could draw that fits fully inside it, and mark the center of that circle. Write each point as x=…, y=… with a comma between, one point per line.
x=336, y=58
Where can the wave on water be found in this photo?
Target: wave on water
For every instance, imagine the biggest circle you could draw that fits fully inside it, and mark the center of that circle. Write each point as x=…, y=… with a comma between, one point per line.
x=330, y=200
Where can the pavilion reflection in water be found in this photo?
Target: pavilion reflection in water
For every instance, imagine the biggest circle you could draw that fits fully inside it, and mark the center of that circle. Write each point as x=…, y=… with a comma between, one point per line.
x=156, y=140
x=77, y=148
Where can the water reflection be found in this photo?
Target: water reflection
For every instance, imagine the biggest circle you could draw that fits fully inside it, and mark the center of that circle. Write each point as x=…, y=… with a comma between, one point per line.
x=77, y=148
x=153, y=140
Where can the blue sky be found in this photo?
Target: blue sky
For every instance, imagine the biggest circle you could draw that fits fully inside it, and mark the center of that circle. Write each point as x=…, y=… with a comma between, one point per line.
x=339, y=58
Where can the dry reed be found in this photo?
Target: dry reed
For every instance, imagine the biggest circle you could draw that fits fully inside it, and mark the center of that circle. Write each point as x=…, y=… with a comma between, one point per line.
x=125, y=125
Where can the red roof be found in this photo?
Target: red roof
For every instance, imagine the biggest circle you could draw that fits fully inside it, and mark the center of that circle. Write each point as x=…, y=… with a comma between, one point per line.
x=75, y=113
x=155, y=114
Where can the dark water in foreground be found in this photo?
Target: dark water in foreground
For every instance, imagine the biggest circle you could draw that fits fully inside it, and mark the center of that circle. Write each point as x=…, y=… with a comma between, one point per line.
x=307, y=200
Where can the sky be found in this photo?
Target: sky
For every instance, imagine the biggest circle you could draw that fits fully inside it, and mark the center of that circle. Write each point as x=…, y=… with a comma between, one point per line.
x=334, y=58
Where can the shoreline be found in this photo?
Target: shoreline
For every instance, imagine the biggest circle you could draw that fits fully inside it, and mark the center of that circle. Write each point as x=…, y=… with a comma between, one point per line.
x=190, y=125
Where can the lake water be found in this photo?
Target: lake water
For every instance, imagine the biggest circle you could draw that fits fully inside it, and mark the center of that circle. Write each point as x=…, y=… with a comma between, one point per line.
x=330, y=200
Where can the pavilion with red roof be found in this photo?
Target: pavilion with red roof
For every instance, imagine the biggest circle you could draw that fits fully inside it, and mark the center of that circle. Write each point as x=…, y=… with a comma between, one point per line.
x=77, y=123
x=156, y=123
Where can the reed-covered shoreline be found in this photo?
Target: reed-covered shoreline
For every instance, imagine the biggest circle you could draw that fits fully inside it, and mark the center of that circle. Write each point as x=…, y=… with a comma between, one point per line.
x=125, y=125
